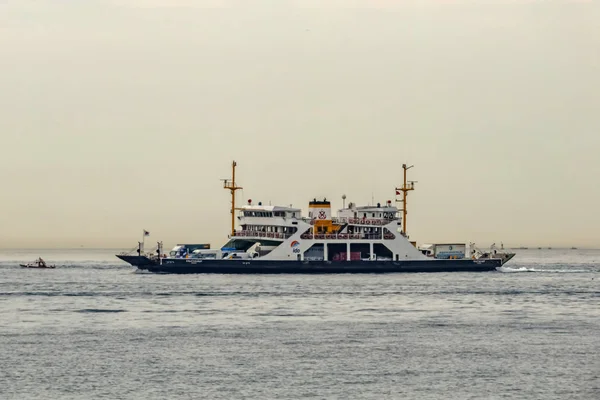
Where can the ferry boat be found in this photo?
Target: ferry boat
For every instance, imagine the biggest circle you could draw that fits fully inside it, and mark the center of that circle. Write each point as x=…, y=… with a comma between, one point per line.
x=279, y=239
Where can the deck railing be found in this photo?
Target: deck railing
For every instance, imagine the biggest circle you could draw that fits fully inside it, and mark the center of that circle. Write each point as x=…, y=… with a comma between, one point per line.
x=347, y=236
x=359, y=221
x=256, y=234
x=324, y=236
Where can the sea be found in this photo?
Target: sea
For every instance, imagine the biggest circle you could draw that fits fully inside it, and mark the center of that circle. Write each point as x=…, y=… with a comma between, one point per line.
x=95, y=328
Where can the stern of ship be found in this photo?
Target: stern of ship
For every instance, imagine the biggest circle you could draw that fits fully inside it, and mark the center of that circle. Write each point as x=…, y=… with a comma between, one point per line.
x=142, y=262
x=506, y=257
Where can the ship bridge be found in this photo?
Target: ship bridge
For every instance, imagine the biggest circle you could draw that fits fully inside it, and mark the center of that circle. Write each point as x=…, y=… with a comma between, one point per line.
x=271, y=222
x=376, y=215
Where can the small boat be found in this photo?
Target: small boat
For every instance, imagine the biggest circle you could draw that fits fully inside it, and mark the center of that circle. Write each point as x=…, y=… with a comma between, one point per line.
x=39, y=263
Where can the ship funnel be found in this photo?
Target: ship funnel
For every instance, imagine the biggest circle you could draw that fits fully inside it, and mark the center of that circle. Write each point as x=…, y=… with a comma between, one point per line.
x=320, y=214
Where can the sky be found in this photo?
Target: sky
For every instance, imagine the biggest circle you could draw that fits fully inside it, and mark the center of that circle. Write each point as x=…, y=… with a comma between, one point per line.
x=123, y=115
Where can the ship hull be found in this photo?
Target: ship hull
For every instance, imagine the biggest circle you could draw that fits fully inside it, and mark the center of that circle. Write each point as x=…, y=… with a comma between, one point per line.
x=190, y=266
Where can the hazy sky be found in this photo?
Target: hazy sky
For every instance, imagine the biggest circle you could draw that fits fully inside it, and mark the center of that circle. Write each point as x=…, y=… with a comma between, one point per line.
x=122, y=115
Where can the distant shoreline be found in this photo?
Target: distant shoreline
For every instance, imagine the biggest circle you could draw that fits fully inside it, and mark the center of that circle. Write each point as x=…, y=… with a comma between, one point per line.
x=119, y=249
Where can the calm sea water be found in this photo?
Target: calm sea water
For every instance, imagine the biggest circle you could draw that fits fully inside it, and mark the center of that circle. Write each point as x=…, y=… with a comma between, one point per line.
x=95, y=329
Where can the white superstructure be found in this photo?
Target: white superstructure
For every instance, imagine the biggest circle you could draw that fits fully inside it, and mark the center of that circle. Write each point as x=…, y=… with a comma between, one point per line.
x=357, y=233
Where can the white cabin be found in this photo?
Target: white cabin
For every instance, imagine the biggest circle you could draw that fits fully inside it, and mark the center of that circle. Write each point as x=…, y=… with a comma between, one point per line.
x=356, y=233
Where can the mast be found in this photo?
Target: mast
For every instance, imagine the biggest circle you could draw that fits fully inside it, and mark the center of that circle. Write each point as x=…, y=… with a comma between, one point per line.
x=406, y=187
x=231, y=186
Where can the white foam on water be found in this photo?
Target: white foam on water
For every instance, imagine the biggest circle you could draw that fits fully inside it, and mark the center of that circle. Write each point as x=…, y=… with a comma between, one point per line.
x=552, y=271
x=142, y=271
x=512, y=270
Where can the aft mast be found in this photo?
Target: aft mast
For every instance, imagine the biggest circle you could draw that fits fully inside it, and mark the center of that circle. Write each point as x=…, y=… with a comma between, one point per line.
x=231, y=186
x=406, y=187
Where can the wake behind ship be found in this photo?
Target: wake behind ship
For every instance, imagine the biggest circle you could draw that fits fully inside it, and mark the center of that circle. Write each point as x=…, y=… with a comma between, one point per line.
x=277, y=239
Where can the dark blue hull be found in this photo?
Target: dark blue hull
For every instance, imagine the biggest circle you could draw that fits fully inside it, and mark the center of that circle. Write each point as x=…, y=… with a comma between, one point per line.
x=192, y=266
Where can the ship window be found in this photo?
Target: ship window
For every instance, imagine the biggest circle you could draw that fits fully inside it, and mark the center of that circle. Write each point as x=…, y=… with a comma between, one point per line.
x=365, y=215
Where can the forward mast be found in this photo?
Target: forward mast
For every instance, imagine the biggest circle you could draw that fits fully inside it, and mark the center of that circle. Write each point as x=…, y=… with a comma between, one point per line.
x=231, y=185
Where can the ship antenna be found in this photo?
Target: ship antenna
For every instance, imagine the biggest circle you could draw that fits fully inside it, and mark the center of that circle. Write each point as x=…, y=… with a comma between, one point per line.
x=231, y=186
x=343, y=201
x=406, y=187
